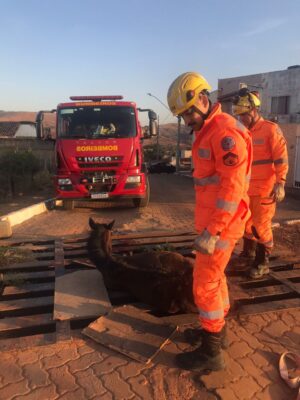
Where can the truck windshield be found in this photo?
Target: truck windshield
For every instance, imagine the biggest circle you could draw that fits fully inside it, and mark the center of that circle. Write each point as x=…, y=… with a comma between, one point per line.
x=96, y=122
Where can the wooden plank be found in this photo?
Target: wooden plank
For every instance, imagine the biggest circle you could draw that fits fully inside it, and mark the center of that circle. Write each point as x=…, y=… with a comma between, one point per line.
x=145, y=241
x=116, y=236
x=44, y=256
x=25, y=304
x=25, y=265
x=284, y=261
x=267, y=279
x=37, y=268
x=237, y=293
x=153, y=234
x=27, y=289
x=175, y=246
x=80, y=294
x=36, y=247
x=269, y=306
x=19, y=324
x=28, y=276
x=35, y=241
x=293, y=286
x=75, y=253
x=81, y=263
x=75, y=246
x=129, y=244
x=277, y=262
x=59, y=262
x=130, y=331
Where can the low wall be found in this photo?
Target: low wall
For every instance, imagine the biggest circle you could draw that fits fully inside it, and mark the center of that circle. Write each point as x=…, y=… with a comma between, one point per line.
x=43, y=150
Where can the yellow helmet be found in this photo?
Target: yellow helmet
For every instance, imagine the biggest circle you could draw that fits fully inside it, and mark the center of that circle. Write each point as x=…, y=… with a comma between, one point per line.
x=183, y=92
x=245, y=101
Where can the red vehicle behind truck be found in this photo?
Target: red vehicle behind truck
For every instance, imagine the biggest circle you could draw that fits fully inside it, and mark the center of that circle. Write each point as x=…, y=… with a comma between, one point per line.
x=99, y=150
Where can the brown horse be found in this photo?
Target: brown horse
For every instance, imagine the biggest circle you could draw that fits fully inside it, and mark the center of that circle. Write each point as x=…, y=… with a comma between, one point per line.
x=161, y=279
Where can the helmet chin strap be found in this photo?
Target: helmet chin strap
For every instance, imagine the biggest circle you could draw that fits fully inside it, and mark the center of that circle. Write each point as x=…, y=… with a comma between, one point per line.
x=254, y=119
x=202, y=114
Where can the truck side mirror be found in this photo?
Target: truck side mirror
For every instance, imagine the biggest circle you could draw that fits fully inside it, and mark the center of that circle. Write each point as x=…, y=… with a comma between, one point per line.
x=152, y=123
x=153, y=127
x=42, y=133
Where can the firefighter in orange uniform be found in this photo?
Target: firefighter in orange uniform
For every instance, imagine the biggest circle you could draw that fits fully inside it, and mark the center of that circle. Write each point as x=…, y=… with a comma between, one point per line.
x=222, y=156
x=268, y=176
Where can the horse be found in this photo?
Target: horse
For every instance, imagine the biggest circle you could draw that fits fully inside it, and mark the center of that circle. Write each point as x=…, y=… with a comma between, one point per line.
x=160, y=279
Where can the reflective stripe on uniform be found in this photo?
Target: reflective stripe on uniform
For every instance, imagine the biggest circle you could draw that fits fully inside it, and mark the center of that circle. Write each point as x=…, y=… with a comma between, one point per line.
x=204, y=153
x=222, y=244
x=230, y=206
x=267, y=244
x=261, y=162
x=281, y=161
x=248, y=177
x=211, y=314
x=208, y=180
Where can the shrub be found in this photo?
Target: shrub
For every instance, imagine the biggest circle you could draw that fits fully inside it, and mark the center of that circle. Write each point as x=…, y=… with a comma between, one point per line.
x=17, y=169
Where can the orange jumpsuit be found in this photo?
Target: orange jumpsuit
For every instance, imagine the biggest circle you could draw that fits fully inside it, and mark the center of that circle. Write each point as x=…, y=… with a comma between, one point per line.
x=270, y=165
x=222, y=155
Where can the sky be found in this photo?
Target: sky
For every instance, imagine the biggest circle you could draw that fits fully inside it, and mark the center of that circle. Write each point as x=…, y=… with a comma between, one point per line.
x=51, y=50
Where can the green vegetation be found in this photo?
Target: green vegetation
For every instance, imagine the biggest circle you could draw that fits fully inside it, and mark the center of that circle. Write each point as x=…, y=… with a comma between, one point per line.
x=20, y=171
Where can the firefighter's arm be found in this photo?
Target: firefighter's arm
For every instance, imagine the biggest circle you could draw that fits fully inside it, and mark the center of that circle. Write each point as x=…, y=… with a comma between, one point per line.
x=279, y=154
x=232, y=159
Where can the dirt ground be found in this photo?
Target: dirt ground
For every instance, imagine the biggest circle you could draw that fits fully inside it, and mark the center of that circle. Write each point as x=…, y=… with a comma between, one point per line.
x=287, y=237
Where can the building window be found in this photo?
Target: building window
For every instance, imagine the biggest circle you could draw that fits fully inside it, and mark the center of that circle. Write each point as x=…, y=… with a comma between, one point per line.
x=280, y=105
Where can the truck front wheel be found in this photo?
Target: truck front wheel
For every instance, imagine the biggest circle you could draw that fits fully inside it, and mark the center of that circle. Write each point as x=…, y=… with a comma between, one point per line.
x=68, y=204
x=139, y=203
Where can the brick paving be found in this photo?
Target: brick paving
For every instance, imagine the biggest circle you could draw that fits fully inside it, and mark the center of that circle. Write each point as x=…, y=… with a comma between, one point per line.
x=81, y=369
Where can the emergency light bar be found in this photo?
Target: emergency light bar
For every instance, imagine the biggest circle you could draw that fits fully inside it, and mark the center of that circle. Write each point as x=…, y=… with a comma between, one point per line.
x=96, y=98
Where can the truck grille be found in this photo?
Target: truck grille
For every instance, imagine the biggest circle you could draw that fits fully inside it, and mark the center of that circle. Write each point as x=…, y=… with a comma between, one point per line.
x=97, y=165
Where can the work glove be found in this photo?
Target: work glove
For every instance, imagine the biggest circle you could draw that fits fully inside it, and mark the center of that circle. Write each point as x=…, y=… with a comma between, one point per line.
x=278, y=192
x=206, y=243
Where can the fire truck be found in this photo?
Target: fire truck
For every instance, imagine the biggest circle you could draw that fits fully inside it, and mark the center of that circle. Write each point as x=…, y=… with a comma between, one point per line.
x=98, y=149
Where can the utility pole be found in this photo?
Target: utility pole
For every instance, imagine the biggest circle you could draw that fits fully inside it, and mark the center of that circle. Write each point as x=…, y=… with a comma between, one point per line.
x=157, y=139
x=178, y=145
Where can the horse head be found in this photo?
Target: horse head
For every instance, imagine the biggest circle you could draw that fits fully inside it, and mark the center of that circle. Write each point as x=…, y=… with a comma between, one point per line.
x=101, y=237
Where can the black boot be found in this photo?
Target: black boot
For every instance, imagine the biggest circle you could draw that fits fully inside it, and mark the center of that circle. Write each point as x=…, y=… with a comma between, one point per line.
x=260, y=265
x=249, y=248
x=206, y=357
x=246, y=257
x=193, y=336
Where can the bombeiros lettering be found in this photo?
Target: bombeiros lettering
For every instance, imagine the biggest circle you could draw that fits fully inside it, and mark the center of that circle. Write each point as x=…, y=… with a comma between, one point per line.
x=98, y=148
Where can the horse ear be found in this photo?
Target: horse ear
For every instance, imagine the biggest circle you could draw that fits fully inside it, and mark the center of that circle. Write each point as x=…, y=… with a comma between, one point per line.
x=92, y=223
x=110, y=225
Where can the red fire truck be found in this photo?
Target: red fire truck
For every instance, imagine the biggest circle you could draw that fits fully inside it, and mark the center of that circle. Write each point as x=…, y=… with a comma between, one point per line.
x=99, y=150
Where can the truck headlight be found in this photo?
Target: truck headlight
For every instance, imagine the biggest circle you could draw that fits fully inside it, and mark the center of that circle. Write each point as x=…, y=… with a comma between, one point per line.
x=64, y=181
x=133, y=179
